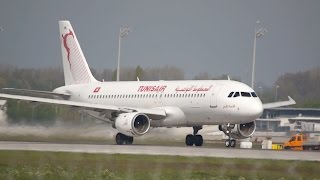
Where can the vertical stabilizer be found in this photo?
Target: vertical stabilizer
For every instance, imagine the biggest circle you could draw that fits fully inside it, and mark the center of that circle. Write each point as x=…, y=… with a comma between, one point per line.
x=75, y=66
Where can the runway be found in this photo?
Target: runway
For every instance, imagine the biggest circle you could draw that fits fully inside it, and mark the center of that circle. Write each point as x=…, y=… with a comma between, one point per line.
x=162, y=150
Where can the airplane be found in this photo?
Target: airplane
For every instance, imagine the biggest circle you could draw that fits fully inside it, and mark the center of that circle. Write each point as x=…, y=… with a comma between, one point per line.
x=133, y=107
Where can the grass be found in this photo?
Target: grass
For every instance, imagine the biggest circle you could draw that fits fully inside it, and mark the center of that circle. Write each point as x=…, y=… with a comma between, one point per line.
x=53, y=165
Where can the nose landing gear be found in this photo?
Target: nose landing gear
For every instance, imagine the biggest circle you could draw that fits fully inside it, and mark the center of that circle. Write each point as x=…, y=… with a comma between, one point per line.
x=230, y=142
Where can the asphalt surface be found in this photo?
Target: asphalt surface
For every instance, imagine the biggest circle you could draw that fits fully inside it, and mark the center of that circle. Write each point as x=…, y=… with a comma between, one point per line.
x=163, y=150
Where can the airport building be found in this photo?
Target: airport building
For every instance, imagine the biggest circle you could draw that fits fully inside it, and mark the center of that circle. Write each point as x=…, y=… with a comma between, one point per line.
x=289, y=119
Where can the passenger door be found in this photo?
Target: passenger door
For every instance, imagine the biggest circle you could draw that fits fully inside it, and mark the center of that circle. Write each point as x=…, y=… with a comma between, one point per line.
x=214, y=97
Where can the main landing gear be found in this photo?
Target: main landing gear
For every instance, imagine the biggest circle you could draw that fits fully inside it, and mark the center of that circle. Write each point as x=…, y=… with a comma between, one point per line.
x=230, y=142
x=123, y=139
x=195, y=138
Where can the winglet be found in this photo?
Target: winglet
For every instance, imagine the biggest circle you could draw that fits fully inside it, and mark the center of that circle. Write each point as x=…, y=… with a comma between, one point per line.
x=279, y=104
x=292, y=100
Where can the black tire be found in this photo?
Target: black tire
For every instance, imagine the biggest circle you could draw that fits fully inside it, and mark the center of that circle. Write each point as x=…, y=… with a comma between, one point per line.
x=198, y=140
x=120, y=139
x=233, y=143
x=129, y=140
x=190, y=140
x=220, y=128
x=227, y=143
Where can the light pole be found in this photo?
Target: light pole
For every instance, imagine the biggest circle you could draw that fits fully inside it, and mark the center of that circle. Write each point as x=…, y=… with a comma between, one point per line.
x=124, y=31
x=257, y=34
x=276, y=96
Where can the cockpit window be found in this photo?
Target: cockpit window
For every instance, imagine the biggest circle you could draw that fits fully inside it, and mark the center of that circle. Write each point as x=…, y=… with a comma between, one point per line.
x=230, y=95
x=236, y=94
x=245, y=94
x=254, y=94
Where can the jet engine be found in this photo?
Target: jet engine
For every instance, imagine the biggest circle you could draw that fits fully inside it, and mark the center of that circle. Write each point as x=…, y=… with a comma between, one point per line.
x=132, y=124
x=242, y=131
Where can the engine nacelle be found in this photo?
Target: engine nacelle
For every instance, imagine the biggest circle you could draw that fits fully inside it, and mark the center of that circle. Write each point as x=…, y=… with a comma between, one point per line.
x=132, y=124
x=242, y=131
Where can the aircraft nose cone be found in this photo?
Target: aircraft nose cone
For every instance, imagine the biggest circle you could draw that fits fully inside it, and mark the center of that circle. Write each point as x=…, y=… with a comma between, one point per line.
x=256, y=110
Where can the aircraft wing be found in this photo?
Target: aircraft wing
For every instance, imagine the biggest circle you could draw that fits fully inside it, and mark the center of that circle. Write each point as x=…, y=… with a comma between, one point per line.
x=279, y=104
x=28, y=91
x=103, y=109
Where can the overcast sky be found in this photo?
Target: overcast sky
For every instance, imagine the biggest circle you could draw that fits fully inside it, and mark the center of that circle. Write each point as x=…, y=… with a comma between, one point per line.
x=194, y=35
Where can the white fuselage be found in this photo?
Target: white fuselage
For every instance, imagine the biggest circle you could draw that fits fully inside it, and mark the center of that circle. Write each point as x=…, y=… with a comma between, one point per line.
x=201, y=102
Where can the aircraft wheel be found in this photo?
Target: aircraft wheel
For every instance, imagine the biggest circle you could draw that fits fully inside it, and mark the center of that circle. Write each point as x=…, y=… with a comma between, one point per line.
x=198, y=140
x=190, y=140
x=120, y=139
x=233, y=143
x=129, y=140
x=227, y=143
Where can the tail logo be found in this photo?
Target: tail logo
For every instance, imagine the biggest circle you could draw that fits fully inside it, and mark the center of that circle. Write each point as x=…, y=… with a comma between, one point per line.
x=64, y=37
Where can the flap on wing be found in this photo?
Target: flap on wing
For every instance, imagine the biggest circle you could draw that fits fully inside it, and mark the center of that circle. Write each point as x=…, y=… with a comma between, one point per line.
x=59, y=95
x=279, y=104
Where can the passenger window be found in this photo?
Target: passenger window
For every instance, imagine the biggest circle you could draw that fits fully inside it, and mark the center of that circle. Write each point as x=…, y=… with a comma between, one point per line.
x=230, y=95
x=245, y=94
x=236, y=94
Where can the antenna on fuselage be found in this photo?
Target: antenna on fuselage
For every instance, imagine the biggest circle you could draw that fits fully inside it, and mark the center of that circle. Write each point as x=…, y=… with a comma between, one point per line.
x=228, y=78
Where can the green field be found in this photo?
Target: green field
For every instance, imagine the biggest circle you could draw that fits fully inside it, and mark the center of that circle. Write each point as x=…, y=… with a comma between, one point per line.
x=52, y=165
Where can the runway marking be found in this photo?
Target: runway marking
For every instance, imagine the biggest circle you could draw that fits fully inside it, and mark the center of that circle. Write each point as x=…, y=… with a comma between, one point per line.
x=162, y=150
